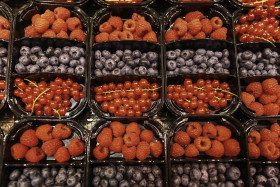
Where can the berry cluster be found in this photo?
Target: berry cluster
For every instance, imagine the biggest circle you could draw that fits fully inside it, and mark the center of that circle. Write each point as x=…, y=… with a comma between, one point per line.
x=200, y=97
x=46, y=176
x=206, y=174
x=125, y=62
x=66, y=60
x=263, y=63
x=214, y=140
x=199, y=61
x=196, y=26
x=57, y=23
x=136, y=28
x=128, y=176
x=131, y=141
x=265, y=175
x=51, y=100
x=263, y=98
x=128, y=99
x=3, y=60
x=4, y=28
x=260, y=24
x=258, y=2
x=52, y=144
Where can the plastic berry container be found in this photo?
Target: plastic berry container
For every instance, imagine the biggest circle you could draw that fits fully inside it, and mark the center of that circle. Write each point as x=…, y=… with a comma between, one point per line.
x=75, y=3
x=193, y=2
x=107, y=3
x=240, y=5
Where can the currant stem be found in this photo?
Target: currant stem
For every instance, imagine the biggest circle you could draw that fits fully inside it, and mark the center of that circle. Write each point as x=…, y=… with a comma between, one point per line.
x=18, y=87
x=219, y=89
x=37, y=99
x=187, y=100
x=31, y=82
x=57, y=113
x=131, y=90
x=263, y=39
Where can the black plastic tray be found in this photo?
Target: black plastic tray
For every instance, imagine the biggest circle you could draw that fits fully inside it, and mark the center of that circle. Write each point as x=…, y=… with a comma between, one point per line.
x=104, y=3
x=64, y=4
x=239, y=5
x=176, y=2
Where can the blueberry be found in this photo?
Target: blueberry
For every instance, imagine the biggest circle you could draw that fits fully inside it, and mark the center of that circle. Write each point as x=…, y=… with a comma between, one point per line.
x=113, y=182
x=82, y=61
x=212, y=172
x=187, y=54
x=270, y=171
x=247, y=55
x=75, y=52
x=265, y=61
x=272, y=72
x=64, y=58
x=96, y=180
x=195, y=174
x=98, y=64
x=189, y=62
x=106, y=54
x=96, y=170
x=210, y=53
x=239, y=56
x=62, y=68
x=136, y=71
x=152, y=56
x=253, y=170
x=143, y=70
x=78, y=184
x=70, y=171
x=212, y=61
x=176, y=71
x=184, y=70
x=110, y=64
x=130, y=171
x=225, y=62
x=37, y=181
x=49, y=68
x=24, y=183
x=146, y=169
x=239, y=183
x=33, y=58
x=221, y=168
x=20, y=68
x=49, y=181
x=82, y=50
x=24, y=50
x=156, y=171
x=211, y=166
x=80, y=70
x=233, y=173
x=267, y=52
x=154, y=65
x=119, y=176
x=218, y=54
x=221, y=184
x=57, y=52
x=200, y=71
x=205, y=59
x=54, y=172
x=120, y=64
x=116, y=71
x=243, y=72
x=221, y=177
x=203, y=66
x=78, y=175
x=176, y=180
x=272, y=60
x=203, y=166
x=171, y=55
x=115, y=58
x=61, y=178
x=204, y=177
x=260, y=66
x=225, y=53
x=66, y=49
x=126, y=70
x=71, y=181
x=119, y=53
x=4, y=60
x=197, y=59
x=136, y=54
x=137, y=175
x=260, y=179
x=70, y=70
x=185, y=180
x=171, y=65
x=124, y=183
x=258, y=73
x=144, y=62
x=97, y=54
x=104, y=183
x=143, y=182
x=137, y=61
x=194, y=69
x=273, y=181
x=26, y=171
x=151, y=177
x=126, y=58
x=130, y=63
x=50, y=51
x=46, y=172
x=200, y=52
x=5, y=70
x=15, y=175
x=25, y=60
x=254, y=58
x=110, y=172
x=73, y=63
x=178, y=52
x=34, y=173
x=213, y=179
x=12, y=184
x=22, y=177
x=180, y=62
x=193, y=184
x=247, y=64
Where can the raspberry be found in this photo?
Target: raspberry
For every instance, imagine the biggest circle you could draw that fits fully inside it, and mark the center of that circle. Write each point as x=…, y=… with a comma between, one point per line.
x=129, y=153
x=102, y=37
x=191, y=151
x=62, y=34
x=187, y=36
x=176, y=150
x=49, y=15
x=171, y=35
x=247, y=98
x=223, y=133
x=105, y=27
x=76, y=147
x=62, y=13
x=100, y=152
x=180, y=27
x=275, y=156
x=18, y=151
x=220, y=33
x=126, y=35
x=59, y=25
x=116, y=145
x=29, y=138
x=115, y=35
x=61, y=131
x=156, y=148
x=143, y=151
x=232, y=147
x=202, y=143
x=200, y=35
x=29, y=31
x=278, y=92
x=257, y=107
x=51, y=146
x=254, y=151
x=142, y=28
x=133, y=127
x=118, y=128
x=194, y=129
x=34, y=154
x=268, y=135
x=150, y=36
x=270, y=86
x=4, y=23
x=73, y=23
x=254, y=137
x=44, y=132
x=105, y=138
x=216, y=23
x=62, y=154
x=271, y=109
x=49, y=33
x=216, y=150
x=131, y=139
x=193, y=15
x=267, y=98
x=41, y=25
x=34, y=18
x=78, y=34
x=277, y=144
x=147, y=136
x=116, y=23
x=129, y=25
x=275, y=128
x=255, y=88
x=206, y=26
x=137, y=17
x=209, y=130
x=136, y=37
x=182, y=138
x=194, y=26
x=267, y=148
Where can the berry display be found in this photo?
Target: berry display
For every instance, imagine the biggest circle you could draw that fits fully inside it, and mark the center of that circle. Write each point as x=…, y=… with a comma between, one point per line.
x=195, y=25
x=125, y=62
x=120, y=175
x=197, y=61
x=258, y=2
x=202, y=97
x=136, y=28
x=57, y=23
x=206, y=174
x=265, y=175
x=46, y=176
x=60, y=60
x=197, y=139
x=53, y=99
x=260, y=24
x=125, y=139
x=4, y=28
x=262, y=97
x=34, y=149
x=128, y=99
